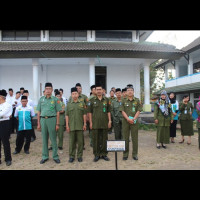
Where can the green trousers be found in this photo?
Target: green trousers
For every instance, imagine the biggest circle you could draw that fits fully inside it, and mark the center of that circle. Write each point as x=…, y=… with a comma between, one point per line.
x=100, y=137
x=90, y=133
x=60, y=135
x=76, y=137
x=118, y=130
x=48, y=128
x=126, y=130
x=199, y=136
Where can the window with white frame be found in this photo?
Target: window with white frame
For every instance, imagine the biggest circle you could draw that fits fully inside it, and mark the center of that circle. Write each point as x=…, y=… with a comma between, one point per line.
x=20, y=35
x=105, y=35
x=67, y=35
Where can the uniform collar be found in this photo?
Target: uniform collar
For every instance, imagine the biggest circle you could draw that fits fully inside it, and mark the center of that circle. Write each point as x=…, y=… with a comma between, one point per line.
x=49, y=97
x=103, y=97
x=131, y=100
x=78, y=101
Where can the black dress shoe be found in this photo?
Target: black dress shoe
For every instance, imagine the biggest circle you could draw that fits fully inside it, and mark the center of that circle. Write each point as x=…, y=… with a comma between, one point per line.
x=105, y=158
x=158, y=147
x=71, y=160
x=57, y=161
x=60, y=148
x=50, y=148
x=163, y=146
x=8, y=163
x=135, y=158
x=27, y=152
x=15, y=152
x=43, y=161
x=96, y=158
x=80, y=159
x=125, y=158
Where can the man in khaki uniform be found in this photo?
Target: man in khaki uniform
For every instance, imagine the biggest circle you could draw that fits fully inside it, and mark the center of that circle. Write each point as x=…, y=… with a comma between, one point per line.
x=117, y=115
x=48, y=122
x=131, y=109
x=75, y=125
x=100, y=121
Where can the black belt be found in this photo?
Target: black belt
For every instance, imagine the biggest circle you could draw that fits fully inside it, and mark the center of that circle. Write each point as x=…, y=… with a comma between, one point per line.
x=46, y=117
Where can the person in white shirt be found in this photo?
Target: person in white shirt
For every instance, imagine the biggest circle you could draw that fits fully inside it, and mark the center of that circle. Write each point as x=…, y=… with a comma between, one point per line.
x=30, y=103
x=10, y=98
x=5, y=113
x=16, y=102
x=64, y=99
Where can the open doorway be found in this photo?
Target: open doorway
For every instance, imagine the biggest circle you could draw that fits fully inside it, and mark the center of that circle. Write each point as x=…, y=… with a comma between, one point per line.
x=100, y=76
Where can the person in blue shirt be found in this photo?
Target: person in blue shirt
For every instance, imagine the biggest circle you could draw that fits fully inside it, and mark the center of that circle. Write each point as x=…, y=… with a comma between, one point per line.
x=24, y=114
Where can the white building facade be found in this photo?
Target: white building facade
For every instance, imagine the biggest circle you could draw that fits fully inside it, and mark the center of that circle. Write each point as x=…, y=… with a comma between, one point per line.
x=186, y=79
x=29, y=59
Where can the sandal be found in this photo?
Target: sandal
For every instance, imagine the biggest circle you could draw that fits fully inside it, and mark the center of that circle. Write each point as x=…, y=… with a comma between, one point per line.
x=182, y=141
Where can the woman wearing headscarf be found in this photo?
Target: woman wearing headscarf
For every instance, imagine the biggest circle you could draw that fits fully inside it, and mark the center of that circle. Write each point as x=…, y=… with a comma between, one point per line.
x=175, y=110
x=163, y=117
x=186, y=109
x=198, y=120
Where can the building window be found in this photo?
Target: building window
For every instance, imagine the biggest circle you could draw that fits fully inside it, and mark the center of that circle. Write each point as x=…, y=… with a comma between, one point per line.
x=125, y=36
x=196, y=67
x=20, y=35
x=67, y=35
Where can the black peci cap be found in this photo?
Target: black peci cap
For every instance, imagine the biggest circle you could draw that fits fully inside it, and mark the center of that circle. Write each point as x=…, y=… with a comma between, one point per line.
x=48, y=84
x=74, y=89
x=3, y=93
x=118, y=89
x=24, y=97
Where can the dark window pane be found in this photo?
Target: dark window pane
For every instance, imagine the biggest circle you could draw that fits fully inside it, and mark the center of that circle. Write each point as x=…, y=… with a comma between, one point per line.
x=80, y=35
x=114, y=36
x=196, y=67
x=55, y=35
x=34, y=36
x=8, y=35
x=21, y=35
x=68, y=35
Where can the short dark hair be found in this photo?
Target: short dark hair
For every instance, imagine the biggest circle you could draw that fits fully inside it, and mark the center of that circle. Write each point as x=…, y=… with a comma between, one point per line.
x=18, y=92
x=78, y=84
x=61, y=90
x=93, y=86
x=22, y=88
x=10, y=89
x=185, y=96
x=25, y=91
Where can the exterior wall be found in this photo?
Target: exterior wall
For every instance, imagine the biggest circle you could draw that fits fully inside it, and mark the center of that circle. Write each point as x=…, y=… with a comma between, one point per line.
x=66, y=76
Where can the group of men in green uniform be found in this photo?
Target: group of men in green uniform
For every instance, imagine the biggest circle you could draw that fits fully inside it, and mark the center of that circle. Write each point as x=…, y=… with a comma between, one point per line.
x=98, y=112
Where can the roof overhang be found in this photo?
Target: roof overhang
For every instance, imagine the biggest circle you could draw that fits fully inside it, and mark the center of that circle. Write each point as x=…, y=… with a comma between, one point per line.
x=145, y=50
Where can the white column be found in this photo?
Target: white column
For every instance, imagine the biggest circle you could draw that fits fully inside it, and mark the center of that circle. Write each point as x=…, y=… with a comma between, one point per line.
x=90, y=36
x=192, y=98
x=190, y=66
x=134, y=37
x=35, y=64
x=177, y=69
x=0, y=35
x=92, y=71
x=146, y=85
x=137, y=82
x=166, y=72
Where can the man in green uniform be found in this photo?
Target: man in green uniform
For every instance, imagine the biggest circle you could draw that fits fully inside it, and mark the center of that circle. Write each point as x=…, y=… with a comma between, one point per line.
x=61, y=130
x=117, y=115
x=75, y=125
x=124, y=93
x=100, y=121
x=48, y=122
x=111, y=98
x=131, y=109
x=93, y=94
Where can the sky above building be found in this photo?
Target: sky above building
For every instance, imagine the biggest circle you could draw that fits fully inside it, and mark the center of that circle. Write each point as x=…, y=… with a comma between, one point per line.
x=179, y=39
